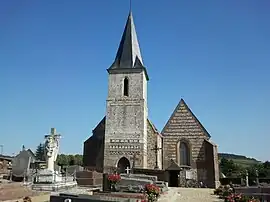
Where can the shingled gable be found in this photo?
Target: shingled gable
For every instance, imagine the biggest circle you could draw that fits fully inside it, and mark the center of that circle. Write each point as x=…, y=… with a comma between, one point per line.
x=182, y=102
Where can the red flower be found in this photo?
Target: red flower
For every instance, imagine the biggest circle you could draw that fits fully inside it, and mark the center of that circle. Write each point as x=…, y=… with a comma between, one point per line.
x=114, y=178
x=152, y=189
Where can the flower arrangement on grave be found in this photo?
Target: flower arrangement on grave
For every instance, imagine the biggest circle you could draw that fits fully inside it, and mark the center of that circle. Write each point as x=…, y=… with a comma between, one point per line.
x=218, y=191
x=234, y=198
x=114, y=179
x=227, y=193
x=223, y=191
x=240, y=198
x=152, y=191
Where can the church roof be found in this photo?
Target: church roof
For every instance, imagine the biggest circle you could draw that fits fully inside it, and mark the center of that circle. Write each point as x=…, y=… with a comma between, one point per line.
x=128, y=55
x=173, y=166
x=154, y=127
x=182, y=102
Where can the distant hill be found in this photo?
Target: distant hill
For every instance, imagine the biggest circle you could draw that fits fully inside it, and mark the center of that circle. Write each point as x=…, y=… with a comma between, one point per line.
x=239, y=159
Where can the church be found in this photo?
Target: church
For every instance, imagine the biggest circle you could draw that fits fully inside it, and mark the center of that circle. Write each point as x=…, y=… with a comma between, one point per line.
x=126, y=138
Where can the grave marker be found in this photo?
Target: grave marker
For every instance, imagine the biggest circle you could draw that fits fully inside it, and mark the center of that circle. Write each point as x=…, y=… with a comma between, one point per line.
x=247, y=184
x=128, y=170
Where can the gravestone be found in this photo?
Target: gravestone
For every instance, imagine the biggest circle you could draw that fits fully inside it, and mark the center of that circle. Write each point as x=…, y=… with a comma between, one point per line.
x=84, y=198
x=89, y=178
x=247, y=182
x=257, y=177
x=21, y=163
x=128, y=184
x=106, y=183
x=137, y=182
x=162, y=185
x=128, y=170
x=140, y=176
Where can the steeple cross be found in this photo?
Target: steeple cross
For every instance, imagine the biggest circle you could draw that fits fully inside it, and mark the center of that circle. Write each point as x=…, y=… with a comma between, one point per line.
x=156, y=149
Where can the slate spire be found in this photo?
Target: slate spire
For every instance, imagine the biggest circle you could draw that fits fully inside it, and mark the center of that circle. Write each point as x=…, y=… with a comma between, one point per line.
x=128, y=54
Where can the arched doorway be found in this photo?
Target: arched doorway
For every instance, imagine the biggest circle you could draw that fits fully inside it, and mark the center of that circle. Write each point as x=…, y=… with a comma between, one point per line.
x=122, y=165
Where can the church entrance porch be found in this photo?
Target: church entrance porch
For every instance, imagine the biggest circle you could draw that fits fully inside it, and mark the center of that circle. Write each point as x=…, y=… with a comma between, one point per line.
x=123, y=164
x=173, y=178
x=173, y=172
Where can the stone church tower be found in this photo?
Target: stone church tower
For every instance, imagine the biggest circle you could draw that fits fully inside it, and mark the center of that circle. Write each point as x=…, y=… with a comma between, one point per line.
x=126, y=109
x=125, y=137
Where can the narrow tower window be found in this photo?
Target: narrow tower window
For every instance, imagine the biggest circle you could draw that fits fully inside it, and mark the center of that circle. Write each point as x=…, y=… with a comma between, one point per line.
x=126, y=87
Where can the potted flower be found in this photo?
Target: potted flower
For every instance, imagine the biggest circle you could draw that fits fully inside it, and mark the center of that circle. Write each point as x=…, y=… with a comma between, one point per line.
x=114, y=179
x=152, y=192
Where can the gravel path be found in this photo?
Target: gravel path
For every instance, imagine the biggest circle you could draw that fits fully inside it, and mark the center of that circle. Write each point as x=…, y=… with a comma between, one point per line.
x=13, y=191
x=189, y=194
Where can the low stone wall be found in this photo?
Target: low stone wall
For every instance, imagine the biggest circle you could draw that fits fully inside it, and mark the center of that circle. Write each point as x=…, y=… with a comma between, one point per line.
x=86, y=178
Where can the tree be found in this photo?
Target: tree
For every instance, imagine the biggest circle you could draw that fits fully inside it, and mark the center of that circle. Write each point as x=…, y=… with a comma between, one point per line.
x=62, y=160
x=226, y=166
x=71, y=160
x=40, y=152
x=78, y=159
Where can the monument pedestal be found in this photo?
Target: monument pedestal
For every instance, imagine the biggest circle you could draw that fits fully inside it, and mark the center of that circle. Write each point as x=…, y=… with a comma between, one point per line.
x=48, y=177
x=48, y=180
x=54, y=187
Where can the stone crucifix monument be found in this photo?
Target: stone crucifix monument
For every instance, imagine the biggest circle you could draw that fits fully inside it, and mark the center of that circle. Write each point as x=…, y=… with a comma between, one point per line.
x=51, y=148
x=50, y=179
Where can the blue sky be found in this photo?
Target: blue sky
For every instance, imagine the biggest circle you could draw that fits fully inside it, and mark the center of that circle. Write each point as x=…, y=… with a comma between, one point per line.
x=214, y=54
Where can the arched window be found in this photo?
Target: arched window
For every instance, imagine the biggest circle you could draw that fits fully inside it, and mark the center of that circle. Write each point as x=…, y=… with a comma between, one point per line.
x=184, y=154
x=126, y=87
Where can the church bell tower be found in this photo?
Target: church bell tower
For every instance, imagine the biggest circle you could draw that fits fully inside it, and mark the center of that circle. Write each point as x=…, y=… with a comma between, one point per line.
x=126, y=107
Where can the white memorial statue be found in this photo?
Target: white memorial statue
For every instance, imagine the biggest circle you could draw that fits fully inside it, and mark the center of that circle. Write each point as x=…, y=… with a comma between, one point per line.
x=51, y=148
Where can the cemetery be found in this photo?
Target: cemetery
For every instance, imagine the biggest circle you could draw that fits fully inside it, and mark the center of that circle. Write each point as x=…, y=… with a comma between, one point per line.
x=126, y=158
x=78, y=184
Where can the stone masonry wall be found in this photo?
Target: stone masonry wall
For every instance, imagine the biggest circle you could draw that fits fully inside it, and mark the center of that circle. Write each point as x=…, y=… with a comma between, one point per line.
x=151, y=142
x=160, y=152
x=183, y=126
x=126, y=120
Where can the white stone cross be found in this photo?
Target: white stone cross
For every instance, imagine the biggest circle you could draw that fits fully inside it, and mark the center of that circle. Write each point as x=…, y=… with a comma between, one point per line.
x=127, y=169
